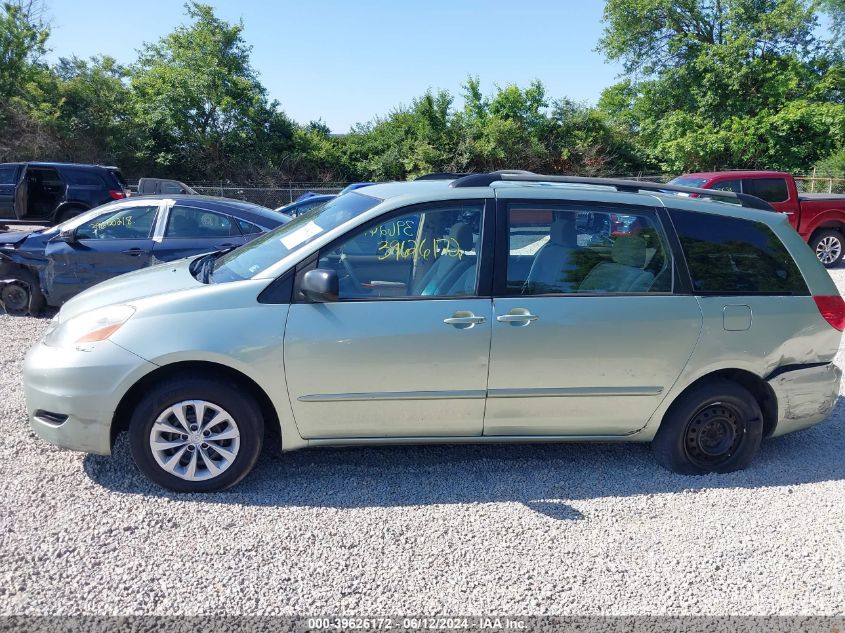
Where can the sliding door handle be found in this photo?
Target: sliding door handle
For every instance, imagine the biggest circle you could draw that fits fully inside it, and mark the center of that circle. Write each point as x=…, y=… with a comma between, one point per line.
x=518, y=316
x=463, y=319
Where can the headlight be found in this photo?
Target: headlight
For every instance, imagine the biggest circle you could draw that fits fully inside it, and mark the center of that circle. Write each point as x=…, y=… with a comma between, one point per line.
x=89, y=327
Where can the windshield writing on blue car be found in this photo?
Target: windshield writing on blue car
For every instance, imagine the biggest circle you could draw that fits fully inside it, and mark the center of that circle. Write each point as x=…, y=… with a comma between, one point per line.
x=261, y=253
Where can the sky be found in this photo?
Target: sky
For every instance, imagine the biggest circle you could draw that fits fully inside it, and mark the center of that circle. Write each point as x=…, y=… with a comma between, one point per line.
x=347, y=62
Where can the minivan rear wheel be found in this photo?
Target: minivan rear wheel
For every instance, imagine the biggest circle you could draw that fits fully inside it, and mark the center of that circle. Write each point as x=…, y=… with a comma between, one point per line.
x=196, y=435
x=716, y=427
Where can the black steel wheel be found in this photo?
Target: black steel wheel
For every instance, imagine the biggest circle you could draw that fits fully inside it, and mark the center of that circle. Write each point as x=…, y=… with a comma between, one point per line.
x=716, y=426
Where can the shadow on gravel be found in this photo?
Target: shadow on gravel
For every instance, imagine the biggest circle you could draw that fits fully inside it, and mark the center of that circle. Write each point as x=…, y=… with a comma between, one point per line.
x=543, y=477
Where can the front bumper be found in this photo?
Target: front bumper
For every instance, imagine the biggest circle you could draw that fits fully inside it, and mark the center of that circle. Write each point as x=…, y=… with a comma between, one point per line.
x=71, y=395
x=805, y=396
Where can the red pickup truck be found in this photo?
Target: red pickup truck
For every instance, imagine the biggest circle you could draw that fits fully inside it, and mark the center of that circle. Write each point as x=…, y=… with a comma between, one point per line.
x=818, y=217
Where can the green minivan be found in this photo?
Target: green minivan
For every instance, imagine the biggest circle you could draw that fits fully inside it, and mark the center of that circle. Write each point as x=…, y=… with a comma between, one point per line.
x=499, y=307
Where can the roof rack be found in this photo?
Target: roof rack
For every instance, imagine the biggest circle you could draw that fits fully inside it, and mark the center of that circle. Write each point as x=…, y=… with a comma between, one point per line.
x=441, y=175
x=631, y=186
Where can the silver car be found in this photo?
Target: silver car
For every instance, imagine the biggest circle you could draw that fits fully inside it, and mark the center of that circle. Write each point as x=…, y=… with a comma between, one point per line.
x=501, y=307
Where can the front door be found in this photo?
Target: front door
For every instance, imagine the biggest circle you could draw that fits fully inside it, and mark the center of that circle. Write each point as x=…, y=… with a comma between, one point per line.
x=8, y=180
x=405, y=349
x=112, y=243
x=587, y=334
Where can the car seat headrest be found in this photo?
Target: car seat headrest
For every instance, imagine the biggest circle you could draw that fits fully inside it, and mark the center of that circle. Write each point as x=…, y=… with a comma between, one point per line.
x=562, y=231
x=462, y=234
x=629, y=250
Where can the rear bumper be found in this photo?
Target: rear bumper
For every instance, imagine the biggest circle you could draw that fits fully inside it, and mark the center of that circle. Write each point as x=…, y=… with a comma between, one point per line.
x=805, y=396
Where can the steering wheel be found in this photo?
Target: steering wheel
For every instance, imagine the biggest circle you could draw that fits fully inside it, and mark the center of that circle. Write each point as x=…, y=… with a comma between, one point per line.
x=350, y=273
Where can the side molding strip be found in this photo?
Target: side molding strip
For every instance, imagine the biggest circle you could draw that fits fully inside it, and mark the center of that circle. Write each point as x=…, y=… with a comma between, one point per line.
x=474, y=394
x=467, y=394
x=574, y=392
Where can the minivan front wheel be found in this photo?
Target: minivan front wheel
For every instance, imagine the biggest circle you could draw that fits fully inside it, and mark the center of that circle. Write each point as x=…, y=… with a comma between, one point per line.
x=195, y=435
x=716, y=427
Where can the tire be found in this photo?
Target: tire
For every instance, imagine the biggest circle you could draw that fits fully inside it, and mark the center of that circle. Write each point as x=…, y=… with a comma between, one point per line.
x=829, y=246
x=25, y=296
x=234, y=457
x=69, y=212
x=716, y=427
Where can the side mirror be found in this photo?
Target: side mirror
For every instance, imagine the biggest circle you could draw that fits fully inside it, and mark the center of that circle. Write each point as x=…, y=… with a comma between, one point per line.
x=320, y=285
x=68, y=236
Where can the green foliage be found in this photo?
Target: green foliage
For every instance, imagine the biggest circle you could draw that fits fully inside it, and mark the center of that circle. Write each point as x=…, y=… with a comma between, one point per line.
x=832, y=165
x=724, y=83
x=709, y=84
x=23, y=40
x=198, y=102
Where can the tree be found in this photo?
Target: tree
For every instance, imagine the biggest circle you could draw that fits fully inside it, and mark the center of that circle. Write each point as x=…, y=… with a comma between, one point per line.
x=724, y=83
x=23, y=39
x=94, y=118
x=199, y=103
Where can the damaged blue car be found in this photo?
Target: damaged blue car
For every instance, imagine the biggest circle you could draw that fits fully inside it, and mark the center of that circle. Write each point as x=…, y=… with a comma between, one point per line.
x=49, y=266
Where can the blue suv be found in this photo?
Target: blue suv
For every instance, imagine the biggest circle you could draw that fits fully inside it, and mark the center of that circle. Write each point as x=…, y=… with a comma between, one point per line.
x=50, y=193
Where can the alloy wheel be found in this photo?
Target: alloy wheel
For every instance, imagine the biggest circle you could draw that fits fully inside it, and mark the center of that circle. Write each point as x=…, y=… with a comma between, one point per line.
x=829, y=249
x=195, y=440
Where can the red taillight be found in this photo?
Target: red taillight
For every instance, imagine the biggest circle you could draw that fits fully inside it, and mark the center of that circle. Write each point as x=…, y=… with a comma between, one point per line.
x=117, y=194
x=832, y=308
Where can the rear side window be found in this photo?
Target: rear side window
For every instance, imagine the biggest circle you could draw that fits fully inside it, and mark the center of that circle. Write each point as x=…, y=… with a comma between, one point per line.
x=728, y=185
x=189, y=222
x=84, y=178
x=247, y=228
x=730, y=256
x=768, y=189
x=7, y=175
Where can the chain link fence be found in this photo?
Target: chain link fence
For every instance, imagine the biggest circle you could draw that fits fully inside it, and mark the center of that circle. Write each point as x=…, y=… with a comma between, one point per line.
x=280, y=194
x=267, y=195
x=819, y=184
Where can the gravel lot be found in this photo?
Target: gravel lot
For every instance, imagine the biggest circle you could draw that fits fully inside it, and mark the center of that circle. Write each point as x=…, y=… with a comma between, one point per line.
x=565, y=529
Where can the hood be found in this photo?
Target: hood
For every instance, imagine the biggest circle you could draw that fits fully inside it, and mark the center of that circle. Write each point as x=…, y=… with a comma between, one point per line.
x=13, y=238
x=147, y=282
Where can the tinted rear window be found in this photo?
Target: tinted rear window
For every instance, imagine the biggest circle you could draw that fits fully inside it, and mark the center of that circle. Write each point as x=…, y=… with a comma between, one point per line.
x=120, y=179
x=733, y=256
x=85, y=178
x=768, y=189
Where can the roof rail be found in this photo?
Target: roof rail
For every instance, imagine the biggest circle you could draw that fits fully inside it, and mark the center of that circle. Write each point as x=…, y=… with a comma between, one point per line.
x=441, y=175
x=631, y=186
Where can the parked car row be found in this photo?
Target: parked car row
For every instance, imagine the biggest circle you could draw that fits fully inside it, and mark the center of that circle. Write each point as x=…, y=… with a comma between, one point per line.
x=49, y=266
x=486, y=308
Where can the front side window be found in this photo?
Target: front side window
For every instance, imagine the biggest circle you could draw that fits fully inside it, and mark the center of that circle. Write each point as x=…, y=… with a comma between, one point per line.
x=733, y=256
x=555, y=250
x=189, y=222
x=768, y=189
x=125, y=223
x=426, y=253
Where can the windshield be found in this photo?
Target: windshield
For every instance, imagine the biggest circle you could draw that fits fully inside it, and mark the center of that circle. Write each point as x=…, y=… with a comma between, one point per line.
x=261, y=253
x=688, y=181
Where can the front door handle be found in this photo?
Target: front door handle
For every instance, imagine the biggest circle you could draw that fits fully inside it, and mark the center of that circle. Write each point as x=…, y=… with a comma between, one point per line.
x=520, y=316
x=463, y=319
x=134, y=251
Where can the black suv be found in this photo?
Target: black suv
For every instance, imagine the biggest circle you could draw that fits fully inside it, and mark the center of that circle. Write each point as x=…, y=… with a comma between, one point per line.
x=50, y=193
